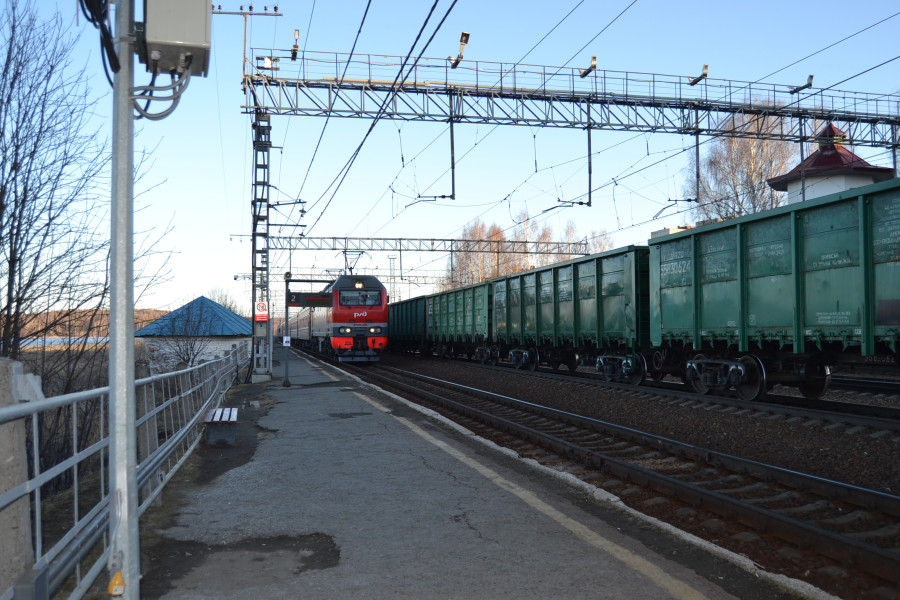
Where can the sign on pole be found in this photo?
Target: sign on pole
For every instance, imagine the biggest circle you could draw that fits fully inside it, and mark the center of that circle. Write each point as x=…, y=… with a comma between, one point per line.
x=262, y=311
x=302, y=299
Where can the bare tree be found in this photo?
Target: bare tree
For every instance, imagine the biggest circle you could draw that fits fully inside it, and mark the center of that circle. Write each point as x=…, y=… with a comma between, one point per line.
x=599, y=241
x=734, y=171
x=185, y=334
x=468, y=263
x=53, y=223
x=528, y=230
x=221, y=296
x=495, y=234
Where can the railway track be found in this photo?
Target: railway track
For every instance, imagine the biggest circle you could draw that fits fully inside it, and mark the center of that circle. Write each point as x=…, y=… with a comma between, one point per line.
x=853, y=526
x=851, y=414
x=869, y=385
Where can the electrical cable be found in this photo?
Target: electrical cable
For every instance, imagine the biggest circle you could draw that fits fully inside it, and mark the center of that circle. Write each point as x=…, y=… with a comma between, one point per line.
x=337, y=93
x=599, y=33
x=97, y=14
x=390, y=187
x=177, y=87
x=309, y=25
x=827, y=47
x=757, y=118
x=381, y=110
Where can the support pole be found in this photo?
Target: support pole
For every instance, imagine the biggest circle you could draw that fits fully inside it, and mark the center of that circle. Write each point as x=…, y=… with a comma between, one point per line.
x=452, y=156
x=285, y=331
x=895, y=148
x=802, y=165
x=590, y=157
x=124, y=555
x=697, y=159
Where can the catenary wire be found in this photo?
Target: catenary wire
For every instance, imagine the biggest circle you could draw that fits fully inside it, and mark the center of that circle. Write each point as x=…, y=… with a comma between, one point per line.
x=390, y=186
x=337, y=92
x=384, y=104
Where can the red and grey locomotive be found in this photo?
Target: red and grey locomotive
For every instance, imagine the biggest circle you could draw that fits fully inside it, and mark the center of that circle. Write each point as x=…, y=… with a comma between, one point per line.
x=354, y=328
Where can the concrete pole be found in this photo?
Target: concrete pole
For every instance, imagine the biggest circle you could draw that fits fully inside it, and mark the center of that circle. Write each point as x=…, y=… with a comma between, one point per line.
x=16, y=553
x=124, y=554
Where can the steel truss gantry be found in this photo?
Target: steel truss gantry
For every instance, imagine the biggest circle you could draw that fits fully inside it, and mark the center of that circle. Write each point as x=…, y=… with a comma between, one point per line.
x=414, y=277
x=315, y=84
x=349, y=244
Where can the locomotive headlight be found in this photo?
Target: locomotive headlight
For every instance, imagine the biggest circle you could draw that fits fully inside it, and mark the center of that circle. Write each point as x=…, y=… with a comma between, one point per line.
x=345, y=330
x=374, y=329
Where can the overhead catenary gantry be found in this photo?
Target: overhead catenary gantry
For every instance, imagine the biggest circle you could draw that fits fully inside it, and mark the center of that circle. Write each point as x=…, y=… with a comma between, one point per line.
x=351, y=244
x=315, y=84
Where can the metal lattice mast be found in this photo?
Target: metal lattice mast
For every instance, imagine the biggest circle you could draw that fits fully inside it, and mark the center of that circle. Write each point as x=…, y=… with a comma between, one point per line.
x=262, y=334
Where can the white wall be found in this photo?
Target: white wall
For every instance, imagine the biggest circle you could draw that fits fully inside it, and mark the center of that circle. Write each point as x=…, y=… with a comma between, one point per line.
x=816, y=187
x=162, y=359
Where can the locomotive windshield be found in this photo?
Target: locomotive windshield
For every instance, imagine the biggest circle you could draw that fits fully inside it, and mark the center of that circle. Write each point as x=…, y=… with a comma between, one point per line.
x=360, y=297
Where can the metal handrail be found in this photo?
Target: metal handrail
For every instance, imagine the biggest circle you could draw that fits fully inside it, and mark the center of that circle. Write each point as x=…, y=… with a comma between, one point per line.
x=171, y=407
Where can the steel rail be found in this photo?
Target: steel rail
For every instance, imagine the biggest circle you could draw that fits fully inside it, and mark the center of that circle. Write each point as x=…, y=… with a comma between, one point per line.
x=874, y=560
x=850, y=413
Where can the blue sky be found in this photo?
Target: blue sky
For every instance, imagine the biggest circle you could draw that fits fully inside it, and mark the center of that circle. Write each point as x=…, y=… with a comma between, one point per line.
x=199, y=174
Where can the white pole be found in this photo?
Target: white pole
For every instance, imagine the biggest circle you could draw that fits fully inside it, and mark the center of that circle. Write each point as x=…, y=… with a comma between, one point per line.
x=123, y=526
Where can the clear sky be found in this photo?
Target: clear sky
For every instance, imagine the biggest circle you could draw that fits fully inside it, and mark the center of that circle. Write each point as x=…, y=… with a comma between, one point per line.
x=198, y=180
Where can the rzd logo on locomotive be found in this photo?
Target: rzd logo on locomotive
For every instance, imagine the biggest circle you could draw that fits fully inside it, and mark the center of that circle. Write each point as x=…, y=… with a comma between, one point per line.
x=362, y=314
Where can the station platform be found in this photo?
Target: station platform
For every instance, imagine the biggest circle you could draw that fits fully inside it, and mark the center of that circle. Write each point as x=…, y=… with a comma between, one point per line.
x=339, y=490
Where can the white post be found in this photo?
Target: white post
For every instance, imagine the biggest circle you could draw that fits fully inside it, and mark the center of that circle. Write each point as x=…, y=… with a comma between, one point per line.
x=124, y=554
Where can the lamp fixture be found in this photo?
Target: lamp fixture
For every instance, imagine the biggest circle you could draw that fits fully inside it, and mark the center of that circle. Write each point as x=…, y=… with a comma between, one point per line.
x=463, y=40
x=590, y=69
x=701, y=77
x=805, y=86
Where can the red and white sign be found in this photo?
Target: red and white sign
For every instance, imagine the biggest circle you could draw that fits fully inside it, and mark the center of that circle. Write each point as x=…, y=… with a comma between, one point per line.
x=262, y=311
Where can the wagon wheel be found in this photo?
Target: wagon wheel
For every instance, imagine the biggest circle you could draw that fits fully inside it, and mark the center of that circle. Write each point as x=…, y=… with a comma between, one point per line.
x=755, y=386
x=601, y=369
x=697, y=384
x=654, y=368
x=572, y=363
x=532, y=365
x=494, y=355
x=639, y=371
x=816, y=379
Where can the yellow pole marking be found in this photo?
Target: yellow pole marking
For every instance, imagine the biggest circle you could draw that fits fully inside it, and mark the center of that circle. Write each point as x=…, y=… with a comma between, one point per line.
x=677, y=588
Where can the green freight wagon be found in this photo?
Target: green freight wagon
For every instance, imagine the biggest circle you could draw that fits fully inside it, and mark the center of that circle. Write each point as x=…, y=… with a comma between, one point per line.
x=780, y=296
x=457, y=321
x=407, y=325
x=589, y=310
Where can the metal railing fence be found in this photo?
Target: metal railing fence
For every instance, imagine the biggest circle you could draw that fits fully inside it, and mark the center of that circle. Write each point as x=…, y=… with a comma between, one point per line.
x=62, y=494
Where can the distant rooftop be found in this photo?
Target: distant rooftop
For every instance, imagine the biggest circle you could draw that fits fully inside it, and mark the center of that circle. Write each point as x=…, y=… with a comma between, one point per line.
x=831, y=159
x=198, y=318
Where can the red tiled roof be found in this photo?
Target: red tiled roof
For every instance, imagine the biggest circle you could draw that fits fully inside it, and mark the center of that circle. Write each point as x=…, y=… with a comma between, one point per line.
x=831, y=159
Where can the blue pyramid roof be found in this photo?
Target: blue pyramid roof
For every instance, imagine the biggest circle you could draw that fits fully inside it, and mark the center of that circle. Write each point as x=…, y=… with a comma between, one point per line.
x=198, y=318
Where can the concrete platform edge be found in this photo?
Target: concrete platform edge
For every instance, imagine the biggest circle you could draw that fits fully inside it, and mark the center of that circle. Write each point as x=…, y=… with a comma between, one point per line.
x=795, y=585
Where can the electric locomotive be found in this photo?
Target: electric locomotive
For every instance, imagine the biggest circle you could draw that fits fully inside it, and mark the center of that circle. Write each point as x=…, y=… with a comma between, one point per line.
x=354, y=328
